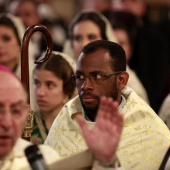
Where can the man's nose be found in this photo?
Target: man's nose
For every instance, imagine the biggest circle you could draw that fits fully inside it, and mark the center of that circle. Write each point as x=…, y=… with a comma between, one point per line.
x=1, y=43
x=6, y=119
x=87, y=84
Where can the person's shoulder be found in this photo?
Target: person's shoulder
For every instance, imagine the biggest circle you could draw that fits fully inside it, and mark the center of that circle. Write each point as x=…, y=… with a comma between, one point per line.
x=134, y=103
x=73, y=100
x=130, y=94
x=136, y=110
x=73, y=105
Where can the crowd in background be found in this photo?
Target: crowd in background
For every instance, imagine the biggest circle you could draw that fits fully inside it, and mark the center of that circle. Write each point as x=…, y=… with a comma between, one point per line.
x=141, y=27
x=150, y=35
x=145, y=26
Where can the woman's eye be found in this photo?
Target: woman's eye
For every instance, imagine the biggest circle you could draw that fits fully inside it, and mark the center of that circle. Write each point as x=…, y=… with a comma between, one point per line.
x=77, y=38
x=6, y=38
x=37, y=83
x=50, y=85
x=92, y=37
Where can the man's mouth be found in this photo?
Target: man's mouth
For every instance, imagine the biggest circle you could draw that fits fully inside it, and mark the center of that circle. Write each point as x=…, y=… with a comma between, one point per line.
x=88, y=98
x=4, y=138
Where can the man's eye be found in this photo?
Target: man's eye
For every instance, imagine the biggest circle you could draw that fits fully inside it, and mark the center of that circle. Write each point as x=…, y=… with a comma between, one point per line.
x=16, y=111
x=80, y=77
x=97, y=76
x=1, y=110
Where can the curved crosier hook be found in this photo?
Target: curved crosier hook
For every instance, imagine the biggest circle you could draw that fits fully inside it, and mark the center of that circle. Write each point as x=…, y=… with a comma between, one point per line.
x=24, y=53
x=26, y=134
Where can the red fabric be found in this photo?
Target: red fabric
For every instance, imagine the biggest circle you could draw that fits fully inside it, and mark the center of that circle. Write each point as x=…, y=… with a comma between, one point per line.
x=5, y=69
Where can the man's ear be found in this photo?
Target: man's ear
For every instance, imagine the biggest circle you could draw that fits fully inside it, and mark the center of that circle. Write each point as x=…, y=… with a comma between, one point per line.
x=122, y=80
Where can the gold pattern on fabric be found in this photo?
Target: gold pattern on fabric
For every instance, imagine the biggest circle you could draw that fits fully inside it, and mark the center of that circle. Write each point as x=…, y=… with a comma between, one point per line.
x=144, y=141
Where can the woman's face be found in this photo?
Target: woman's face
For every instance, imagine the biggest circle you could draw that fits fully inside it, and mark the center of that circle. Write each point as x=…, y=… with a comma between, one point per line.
x=9, y=47
x=48, y=90
x=123, y=40
x=83, y=33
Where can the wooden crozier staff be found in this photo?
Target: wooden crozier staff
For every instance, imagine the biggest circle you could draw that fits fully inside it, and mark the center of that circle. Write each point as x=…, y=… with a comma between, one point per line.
x=25, y=69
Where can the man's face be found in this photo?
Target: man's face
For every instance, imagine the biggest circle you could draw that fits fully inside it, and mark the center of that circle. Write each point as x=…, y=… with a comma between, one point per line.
x=13, y=112
x=92, y=64
x=28, y=13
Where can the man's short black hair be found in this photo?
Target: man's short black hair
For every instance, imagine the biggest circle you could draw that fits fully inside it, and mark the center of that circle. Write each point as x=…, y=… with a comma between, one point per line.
x=117, y=53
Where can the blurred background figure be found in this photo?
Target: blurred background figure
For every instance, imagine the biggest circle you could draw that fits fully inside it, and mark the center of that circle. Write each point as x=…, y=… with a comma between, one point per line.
x=87, y=26
x=164, y=111
x=45, y=9
x=136, y=7
x=90, y=25
x=30, y=13
x=150, y=58
x=54, y=22
x=124, y=27
x=11, y=33
x=98, y=5
x=151, y=45
x=53, y=88
x=10, y=43
x=27, y=11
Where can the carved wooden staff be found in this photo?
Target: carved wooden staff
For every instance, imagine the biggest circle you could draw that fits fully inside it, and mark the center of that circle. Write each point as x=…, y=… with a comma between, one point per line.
x=25, y=69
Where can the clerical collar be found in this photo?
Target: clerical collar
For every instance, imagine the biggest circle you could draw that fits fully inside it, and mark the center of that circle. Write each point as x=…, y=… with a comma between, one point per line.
x=123, y=100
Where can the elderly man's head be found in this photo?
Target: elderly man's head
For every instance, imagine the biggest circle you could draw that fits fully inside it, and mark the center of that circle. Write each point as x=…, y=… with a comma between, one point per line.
x=13, y=110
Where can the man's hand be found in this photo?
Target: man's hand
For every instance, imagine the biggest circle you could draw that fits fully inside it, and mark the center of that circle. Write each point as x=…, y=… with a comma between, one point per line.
x=104, y=137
